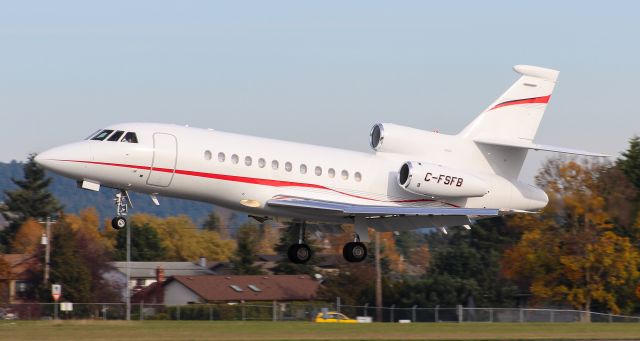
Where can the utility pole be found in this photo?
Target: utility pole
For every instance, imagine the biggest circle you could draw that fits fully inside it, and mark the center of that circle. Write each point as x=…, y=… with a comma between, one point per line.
x=128, y=296
x=46, y=241
x=378, y=280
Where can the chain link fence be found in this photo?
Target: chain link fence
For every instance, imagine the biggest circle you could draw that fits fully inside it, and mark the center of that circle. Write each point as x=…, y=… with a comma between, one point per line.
x=296, y=311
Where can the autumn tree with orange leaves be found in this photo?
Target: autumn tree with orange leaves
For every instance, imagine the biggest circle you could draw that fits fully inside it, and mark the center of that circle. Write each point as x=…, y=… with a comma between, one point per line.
x=570, y=252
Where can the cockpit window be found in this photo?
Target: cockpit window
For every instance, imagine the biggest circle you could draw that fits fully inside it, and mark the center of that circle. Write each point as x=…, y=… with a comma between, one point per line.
x=130, y=137
x=102, y=135
x=116, y=136
x=93, y=134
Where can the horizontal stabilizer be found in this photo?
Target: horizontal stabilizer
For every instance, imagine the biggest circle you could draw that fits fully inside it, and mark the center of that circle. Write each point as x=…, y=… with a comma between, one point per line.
x=524, y=144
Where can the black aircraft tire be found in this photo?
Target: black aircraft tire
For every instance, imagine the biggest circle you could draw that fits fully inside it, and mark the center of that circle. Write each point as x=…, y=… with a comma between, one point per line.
x=354, y=252
x=299, y=253
x=118, y=223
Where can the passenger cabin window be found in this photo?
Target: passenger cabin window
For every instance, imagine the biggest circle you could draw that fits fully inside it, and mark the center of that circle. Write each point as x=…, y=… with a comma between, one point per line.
x=102, y=135
x=207, y=155
x=275, y=164
x=357, y=176
x=247, y=161
x=303, y=169
x=261, y=162
x=344, y=175
x=318, y=170
x=332, y=173
x=116, y=136
x=288, y=166
x=235, y=159
x=130, y=137
x=221, y=157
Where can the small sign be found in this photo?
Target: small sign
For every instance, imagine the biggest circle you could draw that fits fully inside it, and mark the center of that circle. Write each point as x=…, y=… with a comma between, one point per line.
x=56, y=291
x=66, y=306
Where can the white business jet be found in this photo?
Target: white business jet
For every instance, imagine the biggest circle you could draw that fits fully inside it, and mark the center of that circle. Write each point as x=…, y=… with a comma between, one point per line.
x=414, y=178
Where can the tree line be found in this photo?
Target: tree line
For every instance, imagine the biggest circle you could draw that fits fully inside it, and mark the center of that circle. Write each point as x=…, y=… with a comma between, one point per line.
x=582, y=250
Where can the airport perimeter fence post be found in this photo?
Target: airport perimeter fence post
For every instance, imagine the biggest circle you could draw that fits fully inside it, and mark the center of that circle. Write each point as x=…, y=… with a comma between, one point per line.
x=338, y=304
x=178, y=313
x=551, y=317
x=521, y=315
x=460, y=312
x=243, y=312
x=274, y=311
x=366, y=307
x=141, y=307
x=436, y=313
x=491, y=315
x=610, y=317
x=210, y=313
x=413, y=313
x=393, y=306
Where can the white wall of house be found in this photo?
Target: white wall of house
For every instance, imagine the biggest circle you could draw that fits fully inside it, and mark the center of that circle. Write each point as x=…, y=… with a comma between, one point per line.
x=177, y=294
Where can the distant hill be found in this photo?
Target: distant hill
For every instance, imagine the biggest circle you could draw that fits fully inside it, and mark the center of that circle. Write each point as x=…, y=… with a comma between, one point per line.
x=75, y=199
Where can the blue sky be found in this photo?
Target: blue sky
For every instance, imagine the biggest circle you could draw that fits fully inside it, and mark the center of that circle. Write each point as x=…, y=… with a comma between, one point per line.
x=315, y=72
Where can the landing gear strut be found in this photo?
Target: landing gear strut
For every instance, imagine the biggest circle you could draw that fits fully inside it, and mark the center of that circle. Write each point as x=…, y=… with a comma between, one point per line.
x=355, y=251
x=300, y=253
x=122, y=207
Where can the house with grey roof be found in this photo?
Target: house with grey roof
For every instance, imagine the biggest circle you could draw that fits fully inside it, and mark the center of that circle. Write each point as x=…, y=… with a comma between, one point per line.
x=144, y=274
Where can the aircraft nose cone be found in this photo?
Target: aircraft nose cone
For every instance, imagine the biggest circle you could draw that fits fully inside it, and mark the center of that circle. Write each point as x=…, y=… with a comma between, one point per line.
x=45, y=159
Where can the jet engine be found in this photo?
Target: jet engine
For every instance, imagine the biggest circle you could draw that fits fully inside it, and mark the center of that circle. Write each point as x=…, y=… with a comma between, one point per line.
x=393, y=138
x=438, y=181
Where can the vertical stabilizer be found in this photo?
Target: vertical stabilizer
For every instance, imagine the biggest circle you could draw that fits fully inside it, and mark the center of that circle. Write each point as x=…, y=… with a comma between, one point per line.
x=516, y=114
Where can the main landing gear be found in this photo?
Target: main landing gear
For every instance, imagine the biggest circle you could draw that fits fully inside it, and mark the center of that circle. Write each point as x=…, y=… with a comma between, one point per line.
x=355, y=251
x=300, y=253
x=122, y=207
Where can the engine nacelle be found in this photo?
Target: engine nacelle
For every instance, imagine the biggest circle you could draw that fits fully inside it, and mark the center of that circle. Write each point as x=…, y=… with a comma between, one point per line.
x=438, y=181
x=393, y=138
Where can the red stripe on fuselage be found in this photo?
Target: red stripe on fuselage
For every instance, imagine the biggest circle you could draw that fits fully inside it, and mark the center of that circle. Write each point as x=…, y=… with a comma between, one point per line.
x=542, y=100
x=244, y=179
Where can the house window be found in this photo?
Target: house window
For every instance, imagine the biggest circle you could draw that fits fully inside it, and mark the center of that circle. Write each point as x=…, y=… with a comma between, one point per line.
x=236, y=288
x=254, y=288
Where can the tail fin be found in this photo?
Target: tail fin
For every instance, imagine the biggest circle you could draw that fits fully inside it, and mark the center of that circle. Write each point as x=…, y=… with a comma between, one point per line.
x=516, y=114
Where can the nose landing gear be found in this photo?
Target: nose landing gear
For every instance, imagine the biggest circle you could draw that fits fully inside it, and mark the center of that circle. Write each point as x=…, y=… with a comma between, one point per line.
x=122, y=207
x=300, y=253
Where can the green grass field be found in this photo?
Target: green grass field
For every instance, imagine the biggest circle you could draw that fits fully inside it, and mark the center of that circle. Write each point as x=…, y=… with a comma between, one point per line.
x=198, y=330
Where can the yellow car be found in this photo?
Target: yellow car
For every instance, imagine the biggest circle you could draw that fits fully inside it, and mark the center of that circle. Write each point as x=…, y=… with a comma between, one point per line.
x=333, y=317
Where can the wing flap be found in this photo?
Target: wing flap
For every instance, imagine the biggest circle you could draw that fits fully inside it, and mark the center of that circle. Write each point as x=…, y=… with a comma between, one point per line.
x=372, y=211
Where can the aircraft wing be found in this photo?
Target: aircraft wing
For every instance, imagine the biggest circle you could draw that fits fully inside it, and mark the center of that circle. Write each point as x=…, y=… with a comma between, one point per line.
x=336, y=208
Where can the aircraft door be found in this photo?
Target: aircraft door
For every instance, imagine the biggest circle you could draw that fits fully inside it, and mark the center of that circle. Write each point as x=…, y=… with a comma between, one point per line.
x=165, y=152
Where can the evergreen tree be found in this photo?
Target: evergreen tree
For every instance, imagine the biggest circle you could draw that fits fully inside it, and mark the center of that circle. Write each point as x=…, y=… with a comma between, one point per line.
x=67, y=266
x=31, y=199
x=145, y=244
x=212, y=223
x=247, y=239
x=289, y=237
x=630, y=162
